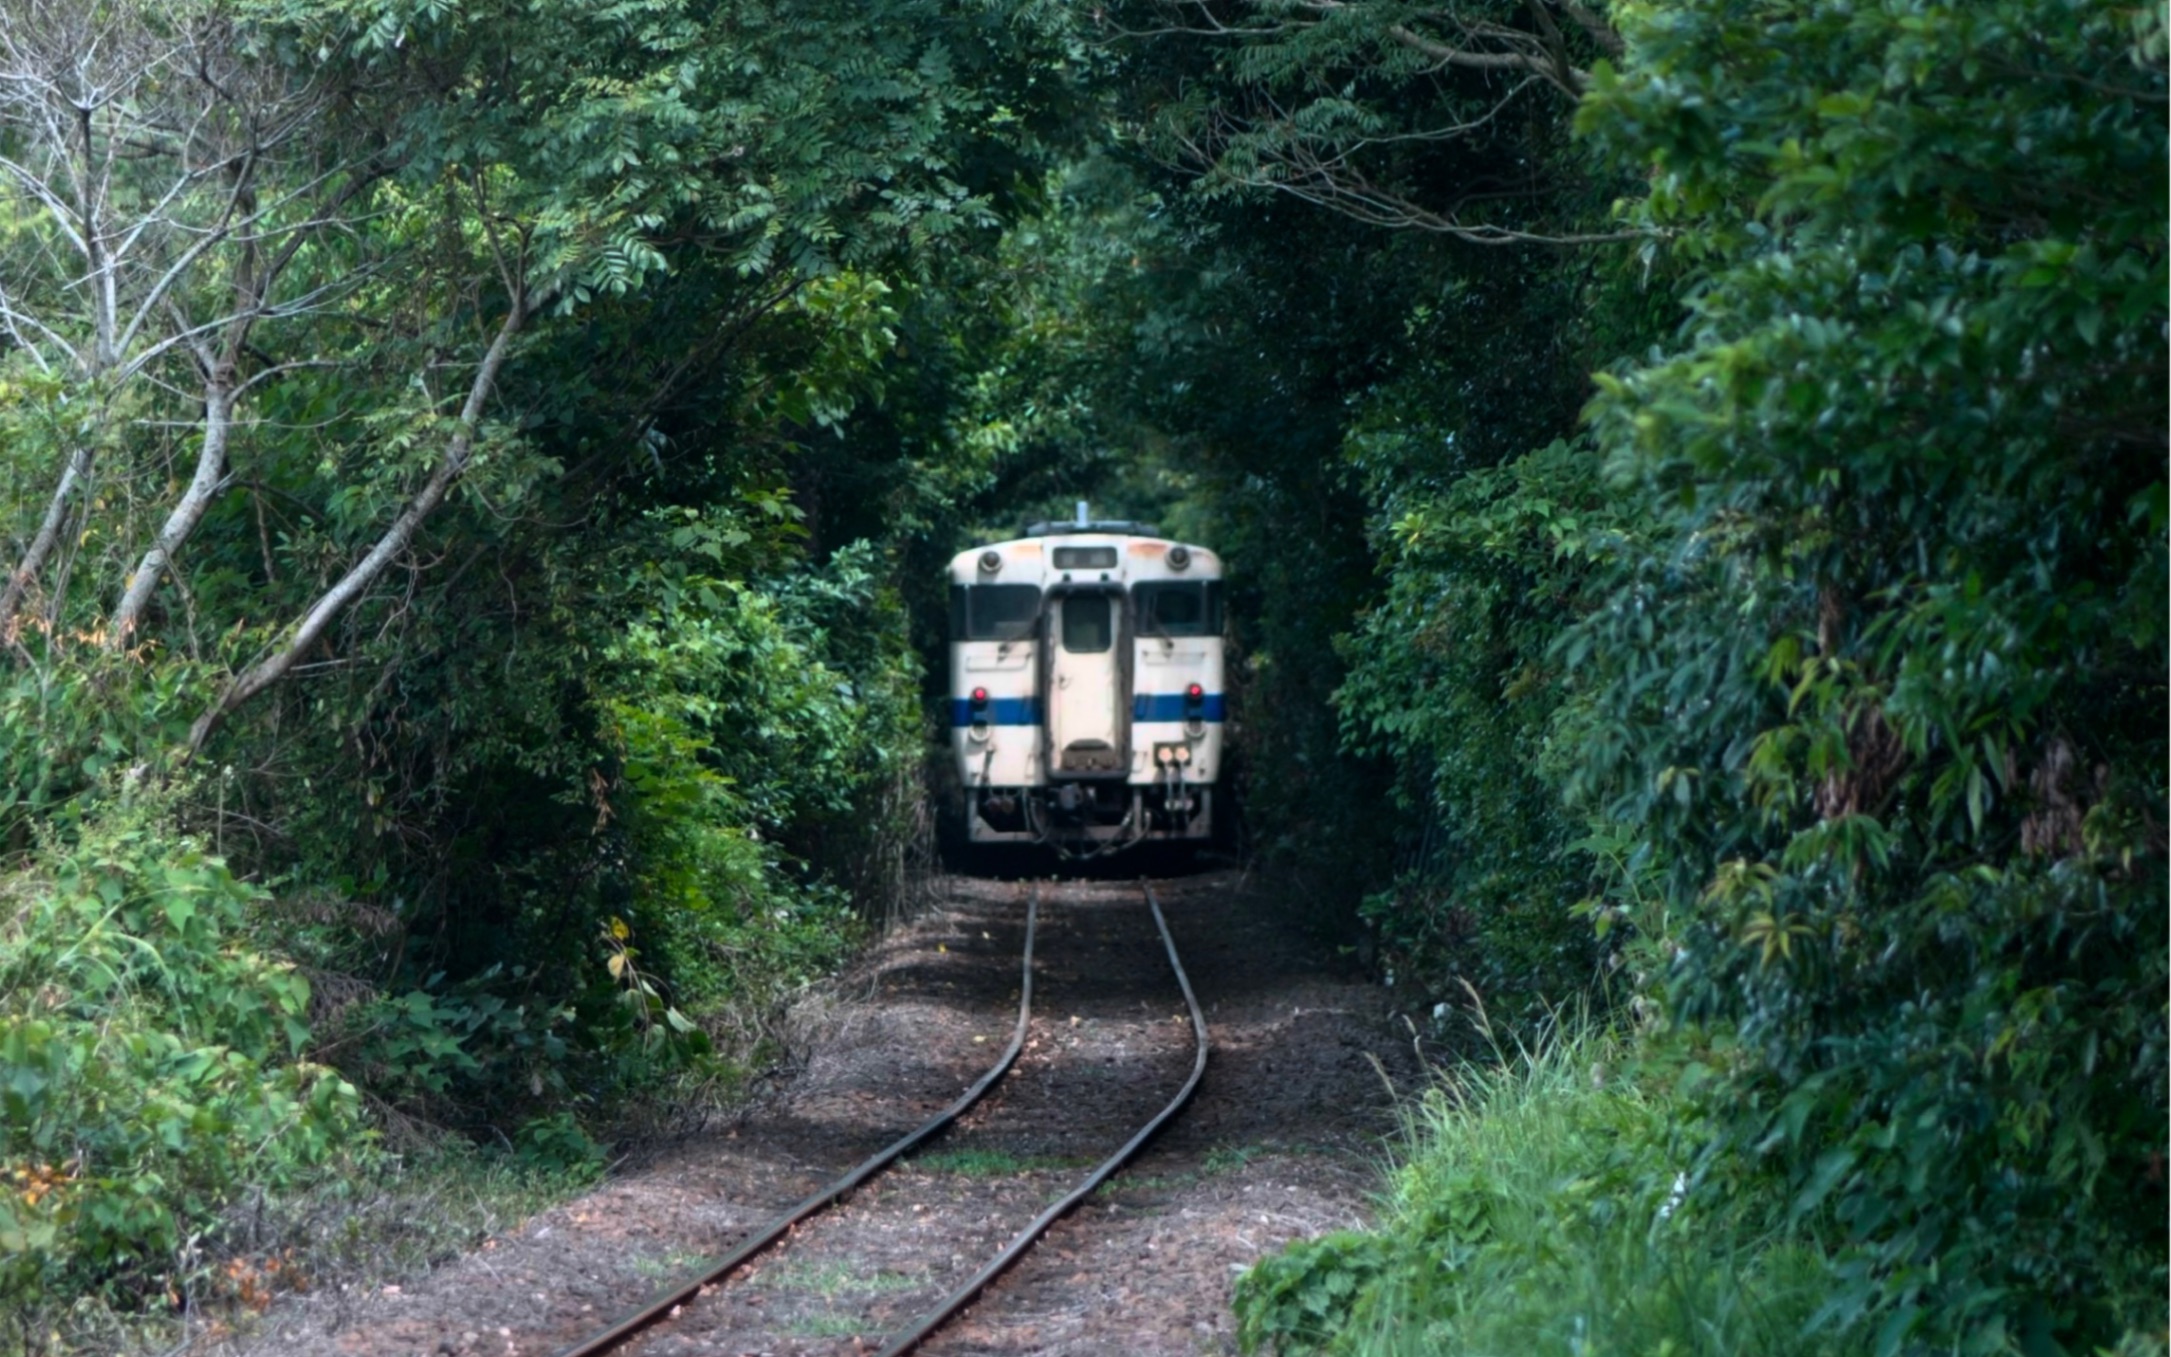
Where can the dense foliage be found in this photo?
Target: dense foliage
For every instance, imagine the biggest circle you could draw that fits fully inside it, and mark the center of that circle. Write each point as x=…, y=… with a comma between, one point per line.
x=1537, y=1213
x=156, y=1062
x=1884, y=687
x=428, y=490
x=1840, y=628
x=473, y=475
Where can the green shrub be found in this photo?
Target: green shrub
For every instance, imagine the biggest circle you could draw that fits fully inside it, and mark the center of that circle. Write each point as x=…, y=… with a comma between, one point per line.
x=1539, y=1212
x=1451, y=676
x=1880, y=688
x=1299, y=1299
x=556, y=1144
x=747, y=733
x=151, y=1064
x=75, y=716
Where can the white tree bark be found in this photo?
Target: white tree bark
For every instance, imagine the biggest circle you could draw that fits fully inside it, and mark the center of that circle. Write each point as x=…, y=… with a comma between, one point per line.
x=72, y=475
x=395, y=541
x=139, y=143
x=187, y=511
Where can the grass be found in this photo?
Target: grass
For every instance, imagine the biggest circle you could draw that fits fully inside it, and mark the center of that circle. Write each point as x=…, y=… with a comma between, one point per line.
x=833, y=1280
x=672, y=1264
x=390, y=1218
x=1219, y=1160
x=992, y=1163
x=1228, y=1158
x=1537, y=1212
x=829, y=1326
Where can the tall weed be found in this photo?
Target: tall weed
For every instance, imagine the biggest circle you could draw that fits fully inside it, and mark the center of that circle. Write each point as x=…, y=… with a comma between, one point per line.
x=1539, y=1211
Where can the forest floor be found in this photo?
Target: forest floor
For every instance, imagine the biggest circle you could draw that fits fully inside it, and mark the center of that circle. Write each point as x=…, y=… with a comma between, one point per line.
x=1283, y=1140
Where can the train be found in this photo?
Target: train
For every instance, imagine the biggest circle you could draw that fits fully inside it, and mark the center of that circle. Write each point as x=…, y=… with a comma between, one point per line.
x=1087, y=708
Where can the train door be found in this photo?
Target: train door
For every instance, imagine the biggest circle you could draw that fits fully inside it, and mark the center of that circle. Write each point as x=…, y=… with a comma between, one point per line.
x=1085, y=686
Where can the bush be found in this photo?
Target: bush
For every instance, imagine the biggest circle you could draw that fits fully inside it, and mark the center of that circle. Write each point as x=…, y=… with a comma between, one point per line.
x=752, y=729
x=1880, y=688
x=77, y=714
x=1451, y=676
x=623, y=852
x=150, y=1062
x=1539, y=1212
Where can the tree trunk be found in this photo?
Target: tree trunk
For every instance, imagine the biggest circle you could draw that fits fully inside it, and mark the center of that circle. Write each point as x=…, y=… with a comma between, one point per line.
x=395, y=542
x=210, y=470
x=41, y=546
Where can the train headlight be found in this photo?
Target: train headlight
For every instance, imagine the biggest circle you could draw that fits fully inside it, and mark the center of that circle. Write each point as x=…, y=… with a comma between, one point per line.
x=990, y=562
x=1179, y=558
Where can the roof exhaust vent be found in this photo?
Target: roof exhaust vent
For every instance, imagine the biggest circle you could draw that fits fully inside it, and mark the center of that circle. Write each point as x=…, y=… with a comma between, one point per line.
x=1082, y=518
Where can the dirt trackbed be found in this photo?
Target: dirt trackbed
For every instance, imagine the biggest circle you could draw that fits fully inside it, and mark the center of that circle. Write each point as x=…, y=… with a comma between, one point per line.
x=1281, y=1141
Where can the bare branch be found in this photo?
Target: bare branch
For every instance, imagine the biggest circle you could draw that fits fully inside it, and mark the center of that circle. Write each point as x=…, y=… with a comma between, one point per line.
x=1317, y=149
x=96, y=104
x=1568, y=80
x=72, y=476
x=60, y=210
x=227, y=228
x=1300, y=171
x=187, y=512
x=395, y=541
x=14, y=318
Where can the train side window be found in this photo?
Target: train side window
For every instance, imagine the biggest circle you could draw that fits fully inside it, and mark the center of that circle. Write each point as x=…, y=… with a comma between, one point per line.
x=1088, y=624
x=1179, y=608
x=993, y=612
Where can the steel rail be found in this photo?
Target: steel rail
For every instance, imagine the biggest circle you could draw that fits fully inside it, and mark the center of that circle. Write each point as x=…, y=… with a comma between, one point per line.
x=678, y=1294
x=1027, y=1237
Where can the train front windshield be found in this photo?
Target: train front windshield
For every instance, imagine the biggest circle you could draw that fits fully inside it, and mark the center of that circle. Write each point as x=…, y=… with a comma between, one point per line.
x=1088, y=624
x=1179, y=608
x=993, y=612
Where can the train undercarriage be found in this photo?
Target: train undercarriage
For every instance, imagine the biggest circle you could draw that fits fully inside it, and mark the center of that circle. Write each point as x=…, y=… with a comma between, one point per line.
x=1087, y=818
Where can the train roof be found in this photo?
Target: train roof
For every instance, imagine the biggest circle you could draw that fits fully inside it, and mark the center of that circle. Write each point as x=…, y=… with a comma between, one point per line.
x=1119, y=555
x=1114, y=527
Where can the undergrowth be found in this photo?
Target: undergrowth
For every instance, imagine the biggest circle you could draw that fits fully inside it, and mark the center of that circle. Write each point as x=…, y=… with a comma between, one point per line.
x=1539, y=1211
x=175, y=1149
x=155, y=1062
x=386, y=1219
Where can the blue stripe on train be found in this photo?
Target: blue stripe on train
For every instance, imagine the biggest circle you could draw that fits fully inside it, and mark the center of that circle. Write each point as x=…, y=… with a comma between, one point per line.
x=1001, y=711
x=1170, y=707
x=1025, y=711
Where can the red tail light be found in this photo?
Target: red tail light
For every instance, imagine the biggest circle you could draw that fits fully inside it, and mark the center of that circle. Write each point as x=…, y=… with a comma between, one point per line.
x=979, y=697
x=1195, y=692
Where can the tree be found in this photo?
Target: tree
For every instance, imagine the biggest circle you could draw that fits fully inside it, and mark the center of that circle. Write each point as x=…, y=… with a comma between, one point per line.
x=1444, y=119
x=598, y=149
x=164, y=183
x=1372, y=391
x=1880, y=685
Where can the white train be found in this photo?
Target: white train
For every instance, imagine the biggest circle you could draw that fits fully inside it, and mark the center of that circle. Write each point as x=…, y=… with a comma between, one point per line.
x=1086, y=702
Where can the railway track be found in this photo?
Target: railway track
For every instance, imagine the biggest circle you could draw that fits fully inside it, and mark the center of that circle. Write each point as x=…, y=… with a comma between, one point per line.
x=699, y=1287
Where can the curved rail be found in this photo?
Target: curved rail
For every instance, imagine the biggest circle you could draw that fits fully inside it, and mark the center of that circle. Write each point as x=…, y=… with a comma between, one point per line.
x=685, y=1290
x=1027, y=1237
